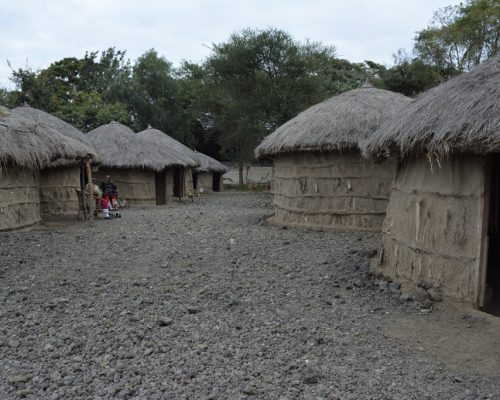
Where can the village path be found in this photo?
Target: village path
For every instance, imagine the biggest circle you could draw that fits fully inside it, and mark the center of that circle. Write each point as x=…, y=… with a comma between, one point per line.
x=206, y=301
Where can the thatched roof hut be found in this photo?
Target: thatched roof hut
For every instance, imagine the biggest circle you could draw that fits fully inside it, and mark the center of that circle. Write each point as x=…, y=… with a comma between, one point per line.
x=130, y=161
x=60, y=179
x=338, y=123
x=172, y=151
x=209, y=164
x=178, y=178
x=26, y=147
x=459, y=116
x=57, y=124
x=443, y=211
x=208, y=175
x=319, y=178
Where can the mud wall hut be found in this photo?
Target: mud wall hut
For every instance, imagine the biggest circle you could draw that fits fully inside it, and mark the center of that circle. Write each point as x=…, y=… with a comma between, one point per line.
x=26, y=147
x=58, y=180
x=320, y=179
x=130, y=162
x=442, y=223
x=208, y=175
x=179, y=160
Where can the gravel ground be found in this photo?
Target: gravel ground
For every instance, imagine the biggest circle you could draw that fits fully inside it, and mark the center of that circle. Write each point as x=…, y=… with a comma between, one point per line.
x=206, y=301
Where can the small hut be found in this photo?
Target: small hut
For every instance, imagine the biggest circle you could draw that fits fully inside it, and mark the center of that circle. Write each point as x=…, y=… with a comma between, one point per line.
x=208, y=175
x=26, y=147
x=443, y=218
x=180, y=159
x=319, y=178
x=132, y=163
x=59, y=179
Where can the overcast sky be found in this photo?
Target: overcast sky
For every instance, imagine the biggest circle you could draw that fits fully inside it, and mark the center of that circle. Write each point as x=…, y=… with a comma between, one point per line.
x=36, y=33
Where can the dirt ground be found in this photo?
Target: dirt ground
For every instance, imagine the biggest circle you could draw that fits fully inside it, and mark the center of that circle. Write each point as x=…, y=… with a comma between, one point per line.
x=206, y=301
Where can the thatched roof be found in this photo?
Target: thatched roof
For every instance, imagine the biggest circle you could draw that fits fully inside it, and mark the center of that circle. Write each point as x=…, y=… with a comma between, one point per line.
x=460, y=115
x=34, y=145
x=57, y=124
x=338, y=123
x=173, y=151
x=209, y=164
x=119, y=147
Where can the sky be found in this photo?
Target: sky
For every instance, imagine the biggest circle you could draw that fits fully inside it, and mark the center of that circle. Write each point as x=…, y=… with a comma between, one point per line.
x=36, y=33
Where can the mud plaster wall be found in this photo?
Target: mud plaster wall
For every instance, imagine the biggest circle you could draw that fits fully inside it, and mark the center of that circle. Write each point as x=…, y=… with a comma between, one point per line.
x=205, y=181
x=433, y=226
x=137, y=186
x=188, y=181
x=19, y=198
x=57, y=191
x=331, y=190
x=169, y=177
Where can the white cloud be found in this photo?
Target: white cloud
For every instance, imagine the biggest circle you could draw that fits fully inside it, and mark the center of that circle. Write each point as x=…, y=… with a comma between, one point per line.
x=43, y=32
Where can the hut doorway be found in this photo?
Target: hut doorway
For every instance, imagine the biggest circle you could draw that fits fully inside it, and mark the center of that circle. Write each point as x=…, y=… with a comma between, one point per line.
x=178, y=182
x=216, y=182
x=160, y=188
x=195, y=181
x=492, y=290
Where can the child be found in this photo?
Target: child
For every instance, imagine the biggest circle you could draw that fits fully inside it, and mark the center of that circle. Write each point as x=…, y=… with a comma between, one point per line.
x=107, y=209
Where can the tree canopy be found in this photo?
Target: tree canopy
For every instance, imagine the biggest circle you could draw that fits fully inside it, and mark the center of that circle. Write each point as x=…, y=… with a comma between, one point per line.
x=249, y=84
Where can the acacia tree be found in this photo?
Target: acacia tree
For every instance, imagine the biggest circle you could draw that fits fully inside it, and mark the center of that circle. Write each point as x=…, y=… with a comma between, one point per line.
x=259, y=79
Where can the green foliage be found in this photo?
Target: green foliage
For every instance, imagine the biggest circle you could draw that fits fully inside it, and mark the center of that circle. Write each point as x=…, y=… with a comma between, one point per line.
x=259, y=79
x=76, y=90
x=154, y=97
x=250, y=84
x=461, y=36
x=409, y=76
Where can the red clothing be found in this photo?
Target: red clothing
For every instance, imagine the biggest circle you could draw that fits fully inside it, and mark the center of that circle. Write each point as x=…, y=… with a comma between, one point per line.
x=105, y=204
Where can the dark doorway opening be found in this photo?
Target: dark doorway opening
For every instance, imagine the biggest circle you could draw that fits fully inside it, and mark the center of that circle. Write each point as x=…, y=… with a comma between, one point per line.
x=160, y=188
x=178, y=182
x=216, y=182
x=492, y=290
x=195, y=181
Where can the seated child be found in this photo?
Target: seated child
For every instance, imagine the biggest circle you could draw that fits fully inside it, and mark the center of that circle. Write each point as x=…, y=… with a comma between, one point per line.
x=107, y=209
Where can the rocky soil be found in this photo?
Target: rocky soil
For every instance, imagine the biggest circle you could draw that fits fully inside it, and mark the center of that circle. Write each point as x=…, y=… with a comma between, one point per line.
x=206, y=301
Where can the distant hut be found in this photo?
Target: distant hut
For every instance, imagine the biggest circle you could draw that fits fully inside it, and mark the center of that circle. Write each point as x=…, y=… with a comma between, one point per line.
x=132, y=163
x=178, y=177
x=319, y=178
x=59, y=179
x=208, y=175
x=26, y=147
x=444, y=210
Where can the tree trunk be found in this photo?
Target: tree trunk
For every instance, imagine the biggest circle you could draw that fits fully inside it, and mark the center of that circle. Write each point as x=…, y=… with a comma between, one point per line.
x=241, y=173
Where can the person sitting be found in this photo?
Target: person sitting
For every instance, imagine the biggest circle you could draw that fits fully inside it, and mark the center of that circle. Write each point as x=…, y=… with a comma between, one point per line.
x=109, y=191
x=107, y=209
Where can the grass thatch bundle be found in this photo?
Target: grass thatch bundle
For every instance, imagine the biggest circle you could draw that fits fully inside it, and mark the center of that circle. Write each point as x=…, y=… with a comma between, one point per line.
x=209, y=164
x=172, y=151
x=119, y=147
x=34, y=145
x=338, y=123
x=461, y=115
x=60, y=126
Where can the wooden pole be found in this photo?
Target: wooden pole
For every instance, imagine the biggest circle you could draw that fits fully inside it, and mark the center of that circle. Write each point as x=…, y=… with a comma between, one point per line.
x=91, y=188
x=82, y=187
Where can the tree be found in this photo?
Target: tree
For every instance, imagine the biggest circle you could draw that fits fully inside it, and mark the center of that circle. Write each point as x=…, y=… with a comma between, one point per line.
x=79, y=91
x=461, y=36
x=154, y=97
x=409, y=76
x=259, y=79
